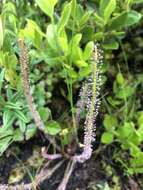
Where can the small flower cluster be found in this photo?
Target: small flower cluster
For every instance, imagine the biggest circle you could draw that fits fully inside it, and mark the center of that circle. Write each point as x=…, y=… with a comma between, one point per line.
x=89, y=97
x=81, y=102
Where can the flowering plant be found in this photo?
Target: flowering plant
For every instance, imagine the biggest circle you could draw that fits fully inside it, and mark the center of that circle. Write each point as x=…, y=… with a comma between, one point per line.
x=89, y=98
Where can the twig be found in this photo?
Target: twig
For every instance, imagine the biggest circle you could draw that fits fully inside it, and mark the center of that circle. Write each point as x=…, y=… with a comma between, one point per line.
x=46, y=174
x=50, y=156
x=67, y=175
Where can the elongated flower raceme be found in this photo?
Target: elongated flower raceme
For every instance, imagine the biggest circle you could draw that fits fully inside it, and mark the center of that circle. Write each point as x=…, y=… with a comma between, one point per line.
x=24, y=61
x=90, y=91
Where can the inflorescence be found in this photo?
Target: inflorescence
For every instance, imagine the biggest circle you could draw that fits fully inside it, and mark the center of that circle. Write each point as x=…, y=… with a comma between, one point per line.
x=24, y=61
x=89, y=98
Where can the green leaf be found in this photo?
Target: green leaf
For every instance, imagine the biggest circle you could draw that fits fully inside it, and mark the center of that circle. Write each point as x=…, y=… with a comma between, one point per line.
x=85, y=18
x=99, y=20
x=17, y=95
x=32, y=32
x=120, y=79
x=30, y=132
x=114, y=102
x=8, y=118
x=77, y=14
x=140, y=118
x=81, y=63
x=125, y=92
x=84, y=71
x=111, y=45
x=18, y=135
x=11, y=76
x=11, y=105
x=126, y=130
x=4, y=143
x=1, y=78
x=125, y=19
x=110, y=122
x=64, y=17
x=135, y=170
x=75, y=52
x=47, y=6
x=98, y=36
x=21, y=116
x=1, y=32
x=52, y=128
x=107, y=138
x=135, y=150
x=76, y=39
x=106, y=8
x=5, y=132
x=70, y=71
x=73, y=6
x=22, y=126
x=88, y=50
x=140, y=131
x=44, y=113
x=12, y=59
x=63, y=41
x=137, y=162
x=135, y=138
x=103, y=5
x=51, y=36
x=88, y=34
x=9, y=95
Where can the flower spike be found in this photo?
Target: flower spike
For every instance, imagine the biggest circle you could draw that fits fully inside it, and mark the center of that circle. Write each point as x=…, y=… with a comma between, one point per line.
x=92, y=102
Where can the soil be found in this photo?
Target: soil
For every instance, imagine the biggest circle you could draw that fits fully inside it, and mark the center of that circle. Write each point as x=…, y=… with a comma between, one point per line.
x=91, y=175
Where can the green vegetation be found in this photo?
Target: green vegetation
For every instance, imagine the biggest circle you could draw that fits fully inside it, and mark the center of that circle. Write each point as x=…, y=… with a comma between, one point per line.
x=60, y=37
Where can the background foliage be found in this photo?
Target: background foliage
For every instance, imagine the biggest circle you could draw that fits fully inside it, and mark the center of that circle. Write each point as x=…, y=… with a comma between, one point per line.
x=60, y=36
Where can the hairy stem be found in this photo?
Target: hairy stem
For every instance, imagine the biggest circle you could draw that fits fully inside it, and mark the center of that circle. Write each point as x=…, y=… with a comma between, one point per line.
x=24, y=61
